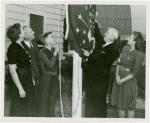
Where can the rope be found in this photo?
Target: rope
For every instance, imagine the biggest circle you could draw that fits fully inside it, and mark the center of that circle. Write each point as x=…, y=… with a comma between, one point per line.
x=62, y=112
x=58, y=24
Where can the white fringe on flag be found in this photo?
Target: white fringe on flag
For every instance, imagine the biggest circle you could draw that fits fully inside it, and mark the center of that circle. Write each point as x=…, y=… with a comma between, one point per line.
x=67, y=23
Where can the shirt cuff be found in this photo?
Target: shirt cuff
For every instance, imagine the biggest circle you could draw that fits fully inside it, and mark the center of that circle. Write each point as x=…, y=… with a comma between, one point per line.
x=118, y=63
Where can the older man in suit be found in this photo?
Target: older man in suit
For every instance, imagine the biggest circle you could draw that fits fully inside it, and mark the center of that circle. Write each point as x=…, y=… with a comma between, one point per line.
x=31, y=47
x=98, y=73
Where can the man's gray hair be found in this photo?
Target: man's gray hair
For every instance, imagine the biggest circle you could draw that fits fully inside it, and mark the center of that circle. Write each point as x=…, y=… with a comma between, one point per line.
x=115, y=32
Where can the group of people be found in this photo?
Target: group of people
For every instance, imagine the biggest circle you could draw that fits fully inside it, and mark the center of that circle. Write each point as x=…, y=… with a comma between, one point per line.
x=35, y=81
x=97, y=77
x=34, y=73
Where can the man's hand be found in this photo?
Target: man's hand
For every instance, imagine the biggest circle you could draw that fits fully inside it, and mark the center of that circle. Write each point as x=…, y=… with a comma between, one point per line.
x=86, y=53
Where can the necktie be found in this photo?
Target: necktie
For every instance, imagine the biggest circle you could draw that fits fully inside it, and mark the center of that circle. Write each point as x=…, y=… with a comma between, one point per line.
x=31, y=47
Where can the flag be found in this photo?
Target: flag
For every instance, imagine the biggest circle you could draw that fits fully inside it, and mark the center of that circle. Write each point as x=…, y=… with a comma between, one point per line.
x=81, y=27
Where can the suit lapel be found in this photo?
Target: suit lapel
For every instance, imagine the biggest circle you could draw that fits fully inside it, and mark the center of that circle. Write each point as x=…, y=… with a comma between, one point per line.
x=35, y=47
x=25, y=46
x=107, y=46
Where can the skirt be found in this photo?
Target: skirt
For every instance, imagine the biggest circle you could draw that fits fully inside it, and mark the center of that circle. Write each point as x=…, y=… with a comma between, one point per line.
x=124, y=95
x=23, y=107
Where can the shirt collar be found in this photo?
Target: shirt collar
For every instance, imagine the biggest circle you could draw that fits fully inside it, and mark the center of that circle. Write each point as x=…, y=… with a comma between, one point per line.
x=48, y=47
x=107, y=43
x=28, y=43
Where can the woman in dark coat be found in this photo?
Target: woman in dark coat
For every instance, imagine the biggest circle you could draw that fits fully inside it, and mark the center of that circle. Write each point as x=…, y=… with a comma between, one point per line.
x=48, y=86
x=125, y=89
x=22, y=88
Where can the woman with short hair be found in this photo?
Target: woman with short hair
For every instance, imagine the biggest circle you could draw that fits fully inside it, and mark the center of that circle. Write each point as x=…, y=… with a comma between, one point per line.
x=22, y=88
x=124, y=92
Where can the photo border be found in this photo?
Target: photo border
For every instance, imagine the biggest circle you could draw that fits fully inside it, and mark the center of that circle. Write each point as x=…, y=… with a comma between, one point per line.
x=40, y=119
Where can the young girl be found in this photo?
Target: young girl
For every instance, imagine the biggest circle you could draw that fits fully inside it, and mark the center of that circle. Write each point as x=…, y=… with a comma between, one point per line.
x=48, y=86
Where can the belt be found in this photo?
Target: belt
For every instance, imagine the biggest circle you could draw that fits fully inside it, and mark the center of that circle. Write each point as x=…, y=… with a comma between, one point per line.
x=127, y=69
x=124, y=69
x=49, y=72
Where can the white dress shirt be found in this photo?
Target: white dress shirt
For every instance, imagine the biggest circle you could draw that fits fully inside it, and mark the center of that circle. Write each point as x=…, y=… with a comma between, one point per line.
x=48, y=47
x=28, y=43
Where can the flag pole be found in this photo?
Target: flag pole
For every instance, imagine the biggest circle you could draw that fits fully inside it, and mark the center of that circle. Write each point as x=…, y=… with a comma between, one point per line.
x=77, y=78
x=77, y=87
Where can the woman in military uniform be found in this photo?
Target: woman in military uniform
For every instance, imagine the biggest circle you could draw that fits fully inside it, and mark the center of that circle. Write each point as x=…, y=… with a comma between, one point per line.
x=125, y=89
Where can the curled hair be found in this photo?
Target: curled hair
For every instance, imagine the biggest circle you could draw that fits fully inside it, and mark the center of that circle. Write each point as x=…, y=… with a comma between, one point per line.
x=13, y=32
x=44, y=36
x=140, y=44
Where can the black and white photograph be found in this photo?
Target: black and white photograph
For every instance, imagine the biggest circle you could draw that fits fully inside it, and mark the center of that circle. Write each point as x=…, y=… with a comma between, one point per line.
x=75, y=60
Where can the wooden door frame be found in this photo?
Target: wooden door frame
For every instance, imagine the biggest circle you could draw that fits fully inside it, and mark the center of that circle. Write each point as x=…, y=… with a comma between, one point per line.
x=36, y=12
x=39, y=13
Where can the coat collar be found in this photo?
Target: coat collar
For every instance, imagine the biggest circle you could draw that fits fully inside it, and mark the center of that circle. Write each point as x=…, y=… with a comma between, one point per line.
x=26, y=47
x=108, y=45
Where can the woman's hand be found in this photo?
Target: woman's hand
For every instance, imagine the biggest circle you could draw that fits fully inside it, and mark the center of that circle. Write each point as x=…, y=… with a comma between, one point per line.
x=117, y=77
x=118, y=80
x=22, y=93
x=16, y=80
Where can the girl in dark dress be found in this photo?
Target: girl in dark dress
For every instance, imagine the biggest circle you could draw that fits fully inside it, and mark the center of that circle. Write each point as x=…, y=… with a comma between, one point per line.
x=49, y=82
x=125, y=89
x=22, y=88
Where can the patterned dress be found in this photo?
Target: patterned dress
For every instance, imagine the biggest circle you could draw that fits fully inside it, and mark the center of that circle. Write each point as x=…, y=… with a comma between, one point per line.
x=124, y=95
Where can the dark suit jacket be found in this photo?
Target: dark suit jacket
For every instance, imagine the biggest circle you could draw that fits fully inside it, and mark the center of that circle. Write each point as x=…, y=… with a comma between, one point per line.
x=36, y=50
x=35, y=67
x=102, y=58
x=100, y=61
